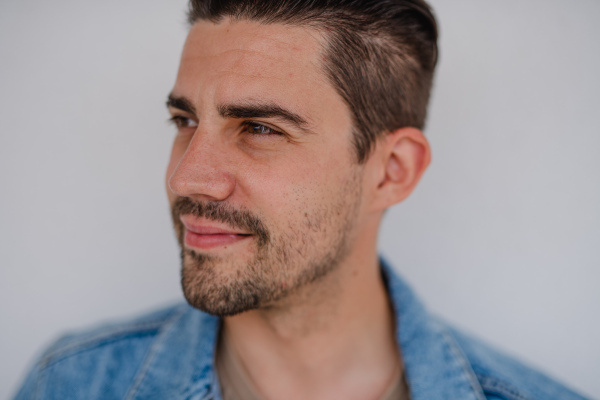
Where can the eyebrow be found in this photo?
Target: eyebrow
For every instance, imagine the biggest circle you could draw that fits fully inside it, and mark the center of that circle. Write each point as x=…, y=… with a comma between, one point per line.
x=181, y=103
x=245, y=110
x=261, y=110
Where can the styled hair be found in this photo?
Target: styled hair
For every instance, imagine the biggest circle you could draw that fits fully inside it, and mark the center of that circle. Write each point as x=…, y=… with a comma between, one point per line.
x=380, y=54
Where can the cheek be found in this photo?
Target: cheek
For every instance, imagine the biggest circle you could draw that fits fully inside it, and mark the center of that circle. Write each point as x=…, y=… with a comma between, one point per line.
x=295, y=192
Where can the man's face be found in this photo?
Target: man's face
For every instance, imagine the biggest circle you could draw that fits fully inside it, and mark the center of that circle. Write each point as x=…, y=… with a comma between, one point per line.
x=262, y=181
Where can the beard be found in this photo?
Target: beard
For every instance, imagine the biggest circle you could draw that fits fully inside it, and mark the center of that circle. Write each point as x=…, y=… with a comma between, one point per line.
x=283, y=260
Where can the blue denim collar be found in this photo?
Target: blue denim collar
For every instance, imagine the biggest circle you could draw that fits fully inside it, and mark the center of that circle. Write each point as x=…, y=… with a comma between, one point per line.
x=434, y=364
x=181, y=360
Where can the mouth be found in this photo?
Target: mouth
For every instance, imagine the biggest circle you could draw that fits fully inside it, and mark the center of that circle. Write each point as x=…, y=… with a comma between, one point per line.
x=203, y=234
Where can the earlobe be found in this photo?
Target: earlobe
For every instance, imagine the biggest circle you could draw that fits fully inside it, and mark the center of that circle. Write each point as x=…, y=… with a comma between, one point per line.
x=405, y=156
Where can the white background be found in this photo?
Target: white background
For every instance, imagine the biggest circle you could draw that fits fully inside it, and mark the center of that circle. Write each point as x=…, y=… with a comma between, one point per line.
x=502, y=237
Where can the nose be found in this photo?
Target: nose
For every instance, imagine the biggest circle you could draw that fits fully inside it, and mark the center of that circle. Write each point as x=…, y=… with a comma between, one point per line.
x=203, y=171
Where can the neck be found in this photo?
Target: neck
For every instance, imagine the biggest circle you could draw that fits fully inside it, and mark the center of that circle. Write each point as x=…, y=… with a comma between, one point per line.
x=332, y=339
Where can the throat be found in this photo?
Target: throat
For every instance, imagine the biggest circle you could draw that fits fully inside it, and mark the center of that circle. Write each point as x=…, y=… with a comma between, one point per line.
x=335, y=336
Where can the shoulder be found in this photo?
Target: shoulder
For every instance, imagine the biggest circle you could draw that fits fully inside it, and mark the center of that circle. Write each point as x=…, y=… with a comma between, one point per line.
x=107, y=355
x=112, y=334
x=503, y=377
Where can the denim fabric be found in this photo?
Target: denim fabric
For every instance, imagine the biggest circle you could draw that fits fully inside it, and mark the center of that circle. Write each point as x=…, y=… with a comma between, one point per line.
x=169, y=355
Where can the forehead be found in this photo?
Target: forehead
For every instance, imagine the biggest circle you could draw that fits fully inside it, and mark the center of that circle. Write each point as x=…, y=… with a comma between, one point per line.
x=233, y=61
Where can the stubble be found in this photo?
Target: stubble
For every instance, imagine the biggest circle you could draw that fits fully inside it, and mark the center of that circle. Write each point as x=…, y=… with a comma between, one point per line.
x=284, y=259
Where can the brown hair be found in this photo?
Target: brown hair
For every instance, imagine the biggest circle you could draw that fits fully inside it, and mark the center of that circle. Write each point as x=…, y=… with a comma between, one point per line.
x=381, y=55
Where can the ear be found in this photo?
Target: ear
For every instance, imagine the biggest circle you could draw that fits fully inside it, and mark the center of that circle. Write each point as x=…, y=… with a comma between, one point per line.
x=403, y=155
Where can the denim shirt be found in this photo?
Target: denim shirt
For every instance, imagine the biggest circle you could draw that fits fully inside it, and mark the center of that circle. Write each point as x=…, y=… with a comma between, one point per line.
x=170, y=355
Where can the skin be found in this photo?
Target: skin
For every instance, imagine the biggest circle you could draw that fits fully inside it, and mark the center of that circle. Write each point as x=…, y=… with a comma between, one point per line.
x=333, y=338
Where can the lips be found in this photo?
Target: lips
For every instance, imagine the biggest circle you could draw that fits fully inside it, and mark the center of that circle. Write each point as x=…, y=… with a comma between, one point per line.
x=204, y=234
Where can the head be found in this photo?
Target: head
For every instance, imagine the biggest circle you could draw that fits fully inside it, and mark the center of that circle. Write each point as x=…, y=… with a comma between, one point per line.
x=298, y=124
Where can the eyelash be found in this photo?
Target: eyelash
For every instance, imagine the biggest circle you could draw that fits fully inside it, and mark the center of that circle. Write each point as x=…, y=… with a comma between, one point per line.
x=179, y=121
x=183, y=122
x=250, y=125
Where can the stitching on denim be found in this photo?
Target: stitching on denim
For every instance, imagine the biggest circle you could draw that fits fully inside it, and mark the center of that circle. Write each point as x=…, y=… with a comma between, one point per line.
x=97, y=340
x=462, y=360
x=151, y=354
x=103, y=336
x=495, y=386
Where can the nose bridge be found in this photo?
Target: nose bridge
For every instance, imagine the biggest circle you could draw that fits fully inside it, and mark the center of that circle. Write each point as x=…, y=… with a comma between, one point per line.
x=203, y=171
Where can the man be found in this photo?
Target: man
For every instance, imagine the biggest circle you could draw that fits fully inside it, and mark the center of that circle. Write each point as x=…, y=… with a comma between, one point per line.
x=298, y=124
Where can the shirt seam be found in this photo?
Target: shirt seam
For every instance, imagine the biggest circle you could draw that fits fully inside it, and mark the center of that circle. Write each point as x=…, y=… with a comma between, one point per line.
x=98, y=340
x=150, y=356
x=462, y=361
x=496, y=386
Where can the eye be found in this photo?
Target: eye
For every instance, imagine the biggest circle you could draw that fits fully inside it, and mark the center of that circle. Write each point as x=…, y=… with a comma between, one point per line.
x=183, y=122
x=259, y=129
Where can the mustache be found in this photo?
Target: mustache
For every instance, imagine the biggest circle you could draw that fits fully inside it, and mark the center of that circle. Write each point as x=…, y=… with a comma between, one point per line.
x=220, y=212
